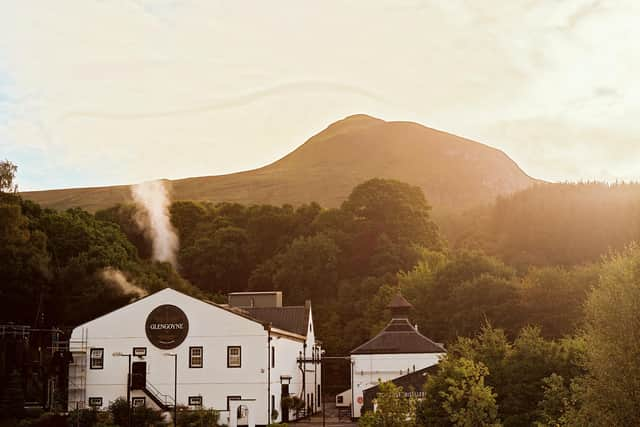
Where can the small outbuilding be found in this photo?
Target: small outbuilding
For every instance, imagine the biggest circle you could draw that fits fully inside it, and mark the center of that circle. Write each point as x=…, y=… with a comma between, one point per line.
x=398, y=350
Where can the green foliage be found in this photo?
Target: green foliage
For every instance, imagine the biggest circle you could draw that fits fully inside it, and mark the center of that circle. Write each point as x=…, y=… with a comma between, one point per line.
x=393, y=408
x=140, y=416
x=567, y=224
x=124, y=216
x=454, y=295
x=7, y=175
x=609, y=393
x=83, y=418
x=395, y=208
x=519, y=370
x=307, y=268
x=198, y=418
x=457, y=395
x=555, y=403
x=554, y=297
x=218, y=262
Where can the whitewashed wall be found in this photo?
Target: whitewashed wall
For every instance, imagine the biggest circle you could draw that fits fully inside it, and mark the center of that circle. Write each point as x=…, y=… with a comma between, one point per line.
x=368, y=369
x=210, y=327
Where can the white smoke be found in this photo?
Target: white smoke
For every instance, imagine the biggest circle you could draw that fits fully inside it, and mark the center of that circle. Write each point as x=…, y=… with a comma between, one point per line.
x=117, y=278
x=152, y=200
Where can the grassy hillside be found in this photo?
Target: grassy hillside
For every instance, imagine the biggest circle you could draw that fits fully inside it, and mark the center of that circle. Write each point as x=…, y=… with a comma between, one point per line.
x=453, y=172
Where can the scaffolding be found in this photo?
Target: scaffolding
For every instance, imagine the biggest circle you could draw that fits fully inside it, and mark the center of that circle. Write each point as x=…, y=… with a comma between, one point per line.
x=77, y=386
x=24, y=350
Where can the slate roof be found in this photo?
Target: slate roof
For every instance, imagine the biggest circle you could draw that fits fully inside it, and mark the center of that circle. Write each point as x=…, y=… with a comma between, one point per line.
x=399, y=337
x=411, y=381
x=290, y=318
x=398, y=301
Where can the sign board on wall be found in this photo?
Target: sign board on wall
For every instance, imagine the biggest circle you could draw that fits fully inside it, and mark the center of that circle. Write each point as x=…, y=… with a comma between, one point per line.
x=167, y=326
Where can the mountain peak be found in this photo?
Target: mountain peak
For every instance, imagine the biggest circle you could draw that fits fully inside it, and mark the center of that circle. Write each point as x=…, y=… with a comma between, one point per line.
x=455, y=173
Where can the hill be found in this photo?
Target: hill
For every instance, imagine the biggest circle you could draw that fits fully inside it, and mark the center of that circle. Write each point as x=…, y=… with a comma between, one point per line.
x=454, y=172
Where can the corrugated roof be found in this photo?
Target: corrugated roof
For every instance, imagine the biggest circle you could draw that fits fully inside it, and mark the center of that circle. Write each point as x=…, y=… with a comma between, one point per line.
x=290, y=318
x=397, y=338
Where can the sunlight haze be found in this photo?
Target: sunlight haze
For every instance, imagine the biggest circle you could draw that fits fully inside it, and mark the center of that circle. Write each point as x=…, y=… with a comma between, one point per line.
x=101, y=93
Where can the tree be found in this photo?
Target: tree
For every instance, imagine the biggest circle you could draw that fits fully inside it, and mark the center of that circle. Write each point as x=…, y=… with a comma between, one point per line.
x=520, y=370
x=554, y=297
x=453, y=295
x=218, y=262
x=7, y=175
x=457, y=395
x=555, y=405
x=308, y=268
x=395, y=208
x=611, y=394
x=393, y=408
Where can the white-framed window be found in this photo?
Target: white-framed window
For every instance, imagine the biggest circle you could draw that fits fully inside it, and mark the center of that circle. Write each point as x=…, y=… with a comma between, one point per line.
x=195, y=357
x=140, y=351
x=195, y=400
x=96, y=358
x=95, y=402
x=139, y=402
x=234, y=356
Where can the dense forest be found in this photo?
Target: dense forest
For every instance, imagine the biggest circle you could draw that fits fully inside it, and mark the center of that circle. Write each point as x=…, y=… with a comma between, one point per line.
x=535, y=296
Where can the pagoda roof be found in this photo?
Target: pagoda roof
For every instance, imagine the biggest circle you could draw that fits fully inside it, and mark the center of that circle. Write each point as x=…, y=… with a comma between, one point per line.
x=399, y=337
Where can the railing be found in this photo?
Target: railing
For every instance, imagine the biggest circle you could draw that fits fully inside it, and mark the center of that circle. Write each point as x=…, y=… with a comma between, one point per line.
x=163, y=398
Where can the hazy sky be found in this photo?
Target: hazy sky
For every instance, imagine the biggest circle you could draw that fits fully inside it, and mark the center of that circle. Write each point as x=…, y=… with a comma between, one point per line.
x=105, y=92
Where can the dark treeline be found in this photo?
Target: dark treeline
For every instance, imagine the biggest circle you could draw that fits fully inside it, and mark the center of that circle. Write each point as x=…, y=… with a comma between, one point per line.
x=351, y=260
x=53, y=266
x=551, y=224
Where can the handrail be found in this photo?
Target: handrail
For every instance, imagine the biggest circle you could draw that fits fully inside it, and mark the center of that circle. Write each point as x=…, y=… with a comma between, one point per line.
x=164, y=398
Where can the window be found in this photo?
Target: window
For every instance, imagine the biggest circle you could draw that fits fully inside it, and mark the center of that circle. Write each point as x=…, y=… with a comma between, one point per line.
x=96, y=358
x=230, y=398
x=234, y=357
x=340, y=400
x=196, y=401
x=140, y=351
x=273, y=406
x=195, y=357
x=139, y=402
x=318, y=396
x=95, y=402
x=273, y=357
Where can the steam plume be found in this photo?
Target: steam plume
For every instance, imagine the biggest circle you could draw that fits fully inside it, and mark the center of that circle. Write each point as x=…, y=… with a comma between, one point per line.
x=152, y=199
x=116, y=277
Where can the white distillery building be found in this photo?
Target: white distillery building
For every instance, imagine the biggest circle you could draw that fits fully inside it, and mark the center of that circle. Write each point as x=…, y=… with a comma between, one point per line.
x=239, y=358
x=399, y=349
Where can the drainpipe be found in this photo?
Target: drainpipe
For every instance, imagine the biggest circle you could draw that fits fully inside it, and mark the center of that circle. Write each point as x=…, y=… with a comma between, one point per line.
x=304, y=376
x=315, y=376
x=353, y=388
x=268, y=327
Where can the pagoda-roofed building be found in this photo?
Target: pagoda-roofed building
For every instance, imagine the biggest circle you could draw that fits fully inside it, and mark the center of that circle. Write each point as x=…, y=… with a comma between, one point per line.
x=399, y=349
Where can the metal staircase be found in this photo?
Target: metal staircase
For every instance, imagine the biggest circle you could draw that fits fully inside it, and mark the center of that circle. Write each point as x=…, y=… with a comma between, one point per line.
x=164, y=401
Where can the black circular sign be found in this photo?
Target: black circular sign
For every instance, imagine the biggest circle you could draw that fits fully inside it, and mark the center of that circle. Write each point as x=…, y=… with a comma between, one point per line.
x=167, y=326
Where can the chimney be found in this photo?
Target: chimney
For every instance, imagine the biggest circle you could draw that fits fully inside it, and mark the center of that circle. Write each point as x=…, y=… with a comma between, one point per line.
x=255, y=299
x=399, y=307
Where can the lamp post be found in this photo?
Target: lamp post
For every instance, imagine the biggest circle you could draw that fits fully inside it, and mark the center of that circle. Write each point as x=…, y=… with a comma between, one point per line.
x=175, y=386
x=119, y=354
